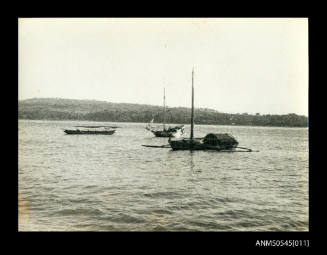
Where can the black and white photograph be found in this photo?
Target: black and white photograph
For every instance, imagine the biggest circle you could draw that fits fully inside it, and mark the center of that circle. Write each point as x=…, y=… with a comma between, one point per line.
x=163, y=124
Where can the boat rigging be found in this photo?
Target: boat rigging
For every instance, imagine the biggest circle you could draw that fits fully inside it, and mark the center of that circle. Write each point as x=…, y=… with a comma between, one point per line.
x=176, y=131
x=213, y=141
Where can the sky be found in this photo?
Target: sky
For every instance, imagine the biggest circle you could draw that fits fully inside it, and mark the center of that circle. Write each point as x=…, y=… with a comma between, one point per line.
x=253, y=65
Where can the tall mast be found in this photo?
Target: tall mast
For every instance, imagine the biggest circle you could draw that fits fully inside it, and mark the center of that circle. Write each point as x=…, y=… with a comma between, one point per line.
x=164, y=118
x=192, y=113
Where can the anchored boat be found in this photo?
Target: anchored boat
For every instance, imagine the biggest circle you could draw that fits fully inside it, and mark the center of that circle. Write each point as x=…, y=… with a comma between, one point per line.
x=218, y=142
x=176, y=131
x=91, y=130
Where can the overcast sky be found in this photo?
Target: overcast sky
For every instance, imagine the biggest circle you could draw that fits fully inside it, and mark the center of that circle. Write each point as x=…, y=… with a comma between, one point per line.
x=240, y=65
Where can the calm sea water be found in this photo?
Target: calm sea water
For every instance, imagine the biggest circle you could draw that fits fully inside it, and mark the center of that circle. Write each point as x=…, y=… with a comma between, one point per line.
x=112, y=183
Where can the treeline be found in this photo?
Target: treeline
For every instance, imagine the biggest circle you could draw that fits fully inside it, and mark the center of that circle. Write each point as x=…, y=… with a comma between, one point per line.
x=67, y=109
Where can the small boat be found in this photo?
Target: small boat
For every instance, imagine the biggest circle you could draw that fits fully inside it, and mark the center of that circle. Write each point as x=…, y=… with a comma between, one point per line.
x=218, y=142
x=91, y=130
x=170, y=132
x=176, y=131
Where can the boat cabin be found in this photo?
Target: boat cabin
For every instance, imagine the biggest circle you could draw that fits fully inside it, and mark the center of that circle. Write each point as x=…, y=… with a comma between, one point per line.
x=225, y=141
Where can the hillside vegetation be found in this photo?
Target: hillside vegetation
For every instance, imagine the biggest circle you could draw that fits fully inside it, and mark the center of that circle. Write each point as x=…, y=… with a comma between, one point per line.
x=71, y=109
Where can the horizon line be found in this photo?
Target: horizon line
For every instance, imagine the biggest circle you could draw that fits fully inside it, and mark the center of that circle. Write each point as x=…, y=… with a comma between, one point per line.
x=160, y=105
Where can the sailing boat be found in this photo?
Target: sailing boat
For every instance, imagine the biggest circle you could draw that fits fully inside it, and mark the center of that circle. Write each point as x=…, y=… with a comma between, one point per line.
x=211, y=141
x=176, y=131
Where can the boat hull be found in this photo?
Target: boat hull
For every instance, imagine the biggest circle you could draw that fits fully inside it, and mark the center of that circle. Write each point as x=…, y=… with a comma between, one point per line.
x=197, y=144
x=185, y=144
x=163, y=133
x=89, y=132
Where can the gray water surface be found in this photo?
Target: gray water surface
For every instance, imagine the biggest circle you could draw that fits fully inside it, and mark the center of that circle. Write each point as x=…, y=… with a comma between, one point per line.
x=112, y=183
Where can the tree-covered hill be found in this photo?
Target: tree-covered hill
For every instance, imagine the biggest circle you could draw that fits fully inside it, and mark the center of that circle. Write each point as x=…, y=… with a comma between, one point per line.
x=72, y=109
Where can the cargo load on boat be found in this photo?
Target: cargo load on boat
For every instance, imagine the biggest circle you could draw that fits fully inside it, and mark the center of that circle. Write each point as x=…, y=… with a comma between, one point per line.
x=221, y=140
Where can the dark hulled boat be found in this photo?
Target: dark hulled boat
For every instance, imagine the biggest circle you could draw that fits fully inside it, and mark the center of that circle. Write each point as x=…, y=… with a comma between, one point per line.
x=218, y=142
x=176, y=131
x=91, y=130
x=211, y=141
x=168, y=132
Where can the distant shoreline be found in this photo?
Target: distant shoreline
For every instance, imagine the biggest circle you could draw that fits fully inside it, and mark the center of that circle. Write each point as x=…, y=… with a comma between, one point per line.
x=154, y=123
x=100, y=111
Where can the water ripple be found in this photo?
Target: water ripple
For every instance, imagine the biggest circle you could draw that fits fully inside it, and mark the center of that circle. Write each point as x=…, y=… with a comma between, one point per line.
x=112, y=183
